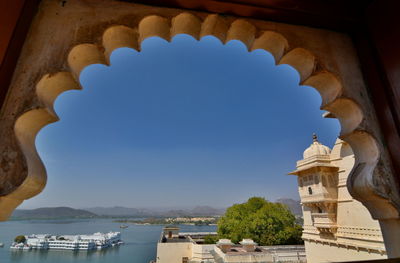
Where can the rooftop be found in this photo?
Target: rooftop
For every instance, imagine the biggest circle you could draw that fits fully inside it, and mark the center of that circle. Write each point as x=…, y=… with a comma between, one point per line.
x=178, y=239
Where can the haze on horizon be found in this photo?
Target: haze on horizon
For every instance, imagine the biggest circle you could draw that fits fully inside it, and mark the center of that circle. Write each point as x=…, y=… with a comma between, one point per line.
x=180, y=124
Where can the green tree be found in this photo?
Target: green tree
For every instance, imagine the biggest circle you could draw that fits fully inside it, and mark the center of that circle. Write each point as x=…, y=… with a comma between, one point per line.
x=210, y=239
x=20, y=239
x=265, y=222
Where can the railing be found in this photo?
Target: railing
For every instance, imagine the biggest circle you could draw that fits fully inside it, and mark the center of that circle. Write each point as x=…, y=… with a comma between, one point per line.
x=323, y=158
x=293, y=254
x=202, y=253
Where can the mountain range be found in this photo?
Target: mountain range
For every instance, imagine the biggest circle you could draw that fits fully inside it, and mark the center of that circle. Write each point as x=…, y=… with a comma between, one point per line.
x=117, y=211
x=136, y=212
x=293, y=205
x=120, y=211
x=52, y=212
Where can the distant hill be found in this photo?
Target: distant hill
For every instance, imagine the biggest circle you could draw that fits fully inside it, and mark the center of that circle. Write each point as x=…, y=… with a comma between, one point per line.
x=294, y=205
x=136, y=212
x=116, y=211
x=52, y=212
x=120, y=211
x=207, y=211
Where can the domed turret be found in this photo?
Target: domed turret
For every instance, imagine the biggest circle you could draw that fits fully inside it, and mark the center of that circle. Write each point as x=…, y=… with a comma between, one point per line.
x=318, y=186
x=316, y=148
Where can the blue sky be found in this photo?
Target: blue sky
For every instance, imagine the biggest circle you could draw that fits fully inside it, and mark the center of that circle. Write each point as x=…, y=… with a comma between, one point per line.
x=180, y=124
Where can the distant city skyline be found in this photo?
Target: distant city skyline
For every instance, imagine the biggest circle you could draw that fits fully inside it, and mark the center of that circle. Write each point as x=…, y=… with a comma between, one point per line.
x=180, y=124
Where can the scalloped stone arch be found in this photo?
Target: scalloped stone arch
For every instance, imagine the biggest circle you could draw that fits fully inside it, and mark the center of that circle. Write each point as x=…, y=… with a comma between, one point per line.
x=312, y=73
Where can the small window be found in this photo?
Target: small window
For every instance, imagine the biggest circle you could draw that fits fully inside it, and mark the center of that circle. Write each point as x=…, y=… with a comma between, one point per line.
x=309, y=190
x=332, y=182
x=316, y=179
x=324, y=181
x=185, y=260
x=319, y=210
x=300, y=182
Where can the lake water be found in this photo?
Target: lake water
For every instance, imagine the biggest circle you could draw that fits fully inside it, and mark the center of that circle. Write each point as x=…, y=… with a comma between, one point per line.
x=140, y=241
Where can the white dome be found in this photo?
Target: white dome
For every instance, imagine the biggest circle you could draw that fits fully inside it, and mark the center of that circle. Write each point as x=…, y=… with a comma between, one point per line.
x=316, y=148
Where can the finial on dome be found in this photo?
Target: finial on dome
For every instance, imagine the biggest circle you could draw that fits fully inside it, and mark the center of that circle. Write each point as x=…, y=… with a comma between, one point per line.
x=314, y=137
x=316, y=149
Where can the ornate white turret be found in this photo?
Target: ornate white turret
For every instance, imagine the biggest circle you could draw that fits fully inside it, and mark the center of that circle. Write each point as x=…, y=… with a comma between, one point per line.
x=318, y=179
x=335, y=226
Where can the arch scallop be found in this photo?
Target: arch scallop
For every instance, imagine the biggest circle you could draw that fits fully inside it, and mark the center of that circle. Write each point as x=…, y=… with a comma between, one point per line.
x=348, y=111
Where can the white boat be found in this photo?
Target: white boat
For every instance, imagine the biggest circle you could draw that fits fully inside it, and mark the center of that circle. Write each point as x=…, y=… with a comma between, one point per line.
x=16, y=246
x=1, y=244
x=26, y=247
x=20, y=246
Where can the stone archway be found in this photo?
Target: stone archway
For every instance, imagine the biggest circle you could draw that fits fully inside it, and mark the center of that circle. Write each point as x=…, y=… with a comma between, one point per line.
x=370, y=181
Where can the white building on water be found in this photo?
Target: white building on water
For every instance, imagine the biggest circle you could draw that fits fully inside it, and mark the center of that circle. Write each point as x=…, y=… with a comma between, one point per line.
x=70, y=242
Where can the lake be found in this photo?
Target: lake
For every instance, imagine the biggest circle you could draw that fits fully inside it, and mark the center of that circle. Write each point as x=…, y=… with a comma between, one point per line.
x=140, y=241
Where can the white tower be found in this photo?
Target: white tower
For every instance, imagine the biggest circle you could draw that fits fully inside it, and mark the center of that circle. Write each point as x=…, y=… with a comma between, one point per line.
x=318, y=187
x=336, y=227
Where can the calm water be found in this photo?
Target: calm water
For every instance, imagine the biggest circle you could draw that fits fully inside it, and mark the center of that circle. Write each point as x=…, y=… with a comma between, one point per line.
x=140, y=241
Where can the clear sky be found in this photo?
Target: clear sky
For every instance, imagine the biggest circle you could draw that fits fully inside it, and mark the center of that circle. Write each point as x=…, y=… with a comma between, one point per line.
x=180, y=124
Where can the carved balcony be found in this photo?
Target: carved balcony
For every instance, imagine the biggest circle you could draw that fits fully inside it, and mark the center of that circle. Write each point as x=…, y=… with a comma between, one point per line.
x=325, y=222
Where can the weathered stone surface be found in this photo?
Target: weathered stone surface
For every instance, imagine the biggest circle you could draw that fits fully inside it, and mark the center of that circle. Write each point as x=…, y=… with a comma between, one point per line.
x=67, y=37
